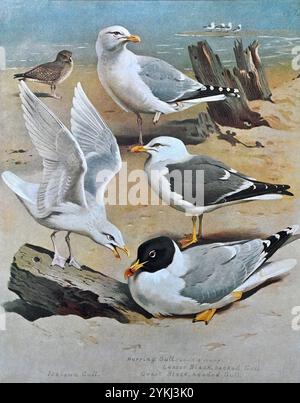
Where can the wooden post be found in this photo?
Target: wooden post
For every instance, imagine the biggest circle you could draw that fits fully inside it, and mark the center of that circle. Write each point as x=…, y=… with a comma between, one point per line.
x=85, y=292
x=233, y=112
x=250, y=72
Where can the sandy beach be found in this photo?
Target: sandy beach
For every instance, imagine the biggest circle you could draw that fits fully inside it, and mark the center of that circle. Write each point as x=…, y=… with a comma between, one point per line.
x=251, y=341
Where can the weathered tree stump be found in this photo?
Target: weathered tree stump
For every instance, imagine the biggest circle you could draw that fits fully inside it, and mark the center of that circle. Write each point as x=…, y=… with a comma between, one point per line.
x=250, y=72
x=85, y=292
x=233, y=112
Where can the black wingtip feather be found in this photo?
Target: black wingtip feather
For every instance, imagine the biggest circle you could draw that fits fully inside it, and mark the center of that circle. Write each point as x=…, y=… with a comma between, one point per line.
x=276, y=241
x=210, y=91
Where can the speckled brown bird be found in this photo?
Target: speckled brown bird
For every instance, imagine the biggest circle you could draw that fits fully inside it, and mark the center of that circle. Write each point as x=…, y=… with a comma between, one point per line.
x=51, y=73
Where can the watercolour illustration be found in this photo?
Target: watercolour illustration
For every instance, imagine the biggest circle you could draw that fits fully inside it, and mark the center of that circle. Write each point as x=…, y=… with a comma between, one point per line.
x=150, y=191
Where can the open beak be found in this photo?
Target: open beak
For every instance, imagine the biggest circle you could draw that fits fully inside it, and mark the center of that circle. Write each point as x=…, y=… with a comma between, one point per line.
x=133, y=269
x=133, y=38
x=139, y=149
x=116, y=252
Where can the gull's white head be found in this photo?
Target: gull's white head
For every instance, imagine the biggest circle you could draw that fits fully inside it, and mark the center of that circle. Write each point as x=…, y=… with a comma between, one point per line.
x=110, y=236
x=163, y=148
x=114, y=38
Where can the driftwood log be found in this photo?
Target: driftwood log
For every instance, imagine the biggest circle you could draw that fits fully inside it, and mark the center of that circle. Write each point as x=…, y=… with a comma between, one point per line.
x=85, y=292
x=232, y=112
x=250, y=71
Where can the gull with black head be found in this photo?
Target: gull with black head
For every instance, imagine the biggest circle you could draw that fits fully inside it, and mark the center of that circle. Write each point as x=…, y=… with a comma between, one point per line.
x=166, y=281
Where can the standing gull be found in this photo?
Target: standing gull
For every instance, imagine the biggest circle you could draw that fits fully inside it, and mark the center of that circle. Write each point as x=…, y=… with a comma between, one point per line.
x=175, y=175
x=166, y=281
x=68, y=198
x=143, y=84
x=51, y=73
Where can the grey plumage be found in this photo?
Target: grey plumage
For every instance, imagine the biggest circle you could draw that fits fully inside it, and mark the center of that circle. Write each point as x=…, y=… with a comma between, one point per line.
x=221, y=183
x=165, y=280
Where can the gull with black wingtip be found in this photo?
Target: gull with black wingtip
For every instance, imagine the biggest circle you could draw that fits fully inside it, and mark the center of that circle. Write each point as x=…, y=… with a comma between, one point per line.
x=166, y=281
x=177, y=176
x=143, y=84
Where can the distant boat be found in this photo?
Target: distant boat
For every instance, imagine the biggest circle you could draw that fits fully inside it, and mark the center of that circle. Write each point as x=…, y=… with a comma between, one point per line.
x=238, y=28
x=210, y=27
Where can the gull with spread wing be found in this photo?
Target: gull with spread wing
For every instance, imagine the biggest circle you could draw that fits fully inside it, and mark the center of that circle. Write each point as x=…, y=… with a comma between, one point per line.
x=77, y=167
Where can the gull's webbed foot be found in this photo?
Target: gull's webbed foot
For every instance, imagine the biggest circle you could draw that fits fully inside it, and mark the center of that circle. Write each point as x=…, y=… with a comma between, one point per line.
x=59, y=261
x=205, y=316
x=73, y=262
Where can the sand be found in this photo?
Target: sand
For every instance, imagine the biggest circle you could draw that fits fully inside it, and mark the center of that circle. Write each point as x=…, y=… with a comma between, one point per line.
x=251, y=341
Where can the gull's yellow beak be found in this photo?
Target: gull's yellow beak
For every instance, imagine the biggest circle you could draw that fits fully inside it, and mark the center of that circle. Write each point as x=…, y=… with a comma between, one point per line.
x=133, y=38
x=133, y=269
x=138, y=149
x=117, y=254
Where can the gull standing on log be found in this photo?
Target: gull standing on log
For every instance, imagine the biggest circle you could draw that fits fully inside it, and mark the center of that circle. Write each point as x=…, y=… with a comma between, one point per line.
x=143, y=84
x=70, y=196
x=175, y=175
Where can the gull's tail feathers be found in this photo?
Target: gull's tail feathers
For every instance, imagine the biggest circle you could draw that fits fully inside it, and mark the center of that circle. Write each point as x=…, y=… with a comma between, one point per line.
x=24, y=190
x=270, y=271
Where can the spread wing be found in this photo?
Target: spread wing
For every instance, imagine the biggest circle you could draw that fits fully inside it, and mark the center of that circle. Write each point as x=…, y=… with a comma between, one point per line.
x=98, y=143
x=165, y=81
x=63, y=161
x=219, y=269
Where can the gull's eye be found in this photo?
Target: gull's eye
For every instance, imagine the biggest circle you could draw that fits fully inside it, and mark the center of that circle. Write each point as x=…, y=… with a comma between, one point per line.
x=157, y=145
x=116, y=33
x=152, y=254
x=110, y=237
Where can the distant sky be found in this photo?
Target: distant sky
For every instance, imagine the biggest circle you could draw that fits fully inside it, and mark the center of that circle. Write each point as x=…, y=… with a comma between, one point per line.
x=74, y=20
x=27, y=26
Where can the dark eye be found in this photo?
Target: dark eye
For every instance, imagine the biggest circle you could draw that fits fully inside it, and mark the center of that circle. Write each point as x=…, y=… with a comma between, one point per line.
x=117, y=33
x=152, y=254
x=110, y=237
x=157, y=145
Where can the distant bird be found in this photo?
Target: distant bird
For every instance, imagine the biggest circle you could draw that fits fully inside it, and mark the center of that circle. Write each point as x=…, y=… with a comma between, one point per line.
x=197, y=184
x=52, y=73
x=228, y=27
x=238, y=28
x=220, y=27
x=210, y=27
x=143, y=84
x=166, y=281
x=78, y=165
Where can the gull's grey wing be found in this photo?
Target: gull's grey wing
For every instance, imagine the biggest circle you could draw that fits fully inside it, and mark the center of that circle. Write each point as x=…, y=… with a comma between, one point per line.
x=204, y=181
x=63, y=161
x=97, y=142
x=165, y=81
x=217, y=270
